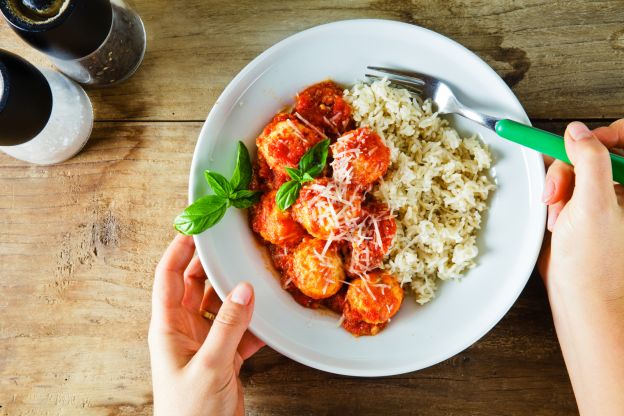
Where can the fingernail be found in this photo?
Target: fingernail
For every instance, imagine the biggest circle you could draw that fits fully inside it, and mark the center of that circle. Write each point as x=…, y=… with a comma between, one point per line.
x=578, y=131
x=241, y=294
x=549, y=190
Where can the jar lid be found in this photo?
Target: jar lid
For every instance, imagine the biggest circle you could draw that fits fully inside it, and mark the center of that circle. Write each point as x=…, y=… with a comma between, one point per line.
x=64, y=29
x=25, y=100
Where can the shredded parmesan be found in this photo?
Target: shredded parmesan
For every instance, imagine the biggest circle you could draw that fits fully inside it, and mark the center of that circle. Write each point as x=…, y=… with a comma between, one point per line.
x=310, y=125
x=377, y=233
x=295, y=129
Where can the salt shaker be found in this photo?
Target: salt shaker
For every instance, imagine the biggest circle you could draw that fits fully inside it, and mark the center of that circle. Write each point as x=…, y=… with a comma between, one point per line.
x=95, y=42
x=45, y=118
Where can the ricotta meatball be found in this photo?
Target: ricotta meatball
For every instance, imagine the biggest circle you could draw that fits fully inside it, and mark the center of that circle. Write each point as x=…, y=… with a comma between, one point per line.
x=371, y=240
x=360, y=158
x=370, y=303
x=281, y=144
x=274, y=225
x=327, y=210
x=323, y=106
x=316, y=270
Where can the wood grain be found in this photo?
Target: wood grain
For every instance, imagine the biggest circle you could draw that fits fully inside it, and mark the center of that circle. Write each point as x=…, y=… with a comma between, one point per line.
x=562, y=58
x=79, y=245
x=79, y=241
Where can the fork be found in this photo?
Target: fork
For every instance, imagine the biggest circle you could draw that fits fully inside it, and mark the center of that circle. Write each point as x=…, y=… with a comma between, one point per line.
x=544, y=142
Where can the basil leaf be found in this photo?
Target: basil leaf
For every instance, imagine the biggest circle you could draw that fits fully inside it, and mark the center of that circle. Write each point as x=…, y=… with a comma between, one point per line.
x=313, y=161
x=242, y=170
x=287, y=194
x=244, y=194
x=294, y=174
x=244, y=198
x=315, y=171
x=306, y=178
x=218, y=183
x=201, y=215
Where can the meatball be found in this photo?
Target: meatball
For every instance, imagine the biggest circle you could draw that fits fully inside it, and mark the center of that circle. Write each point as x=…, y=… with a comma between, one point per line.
x=274, y=225
x=371, y=240
x=359, y=328
x=326, y=210
x=373, y=299
x=282, y=260
x=316, y=270
x=360, y=158
x=281, y=144
x=324, y=107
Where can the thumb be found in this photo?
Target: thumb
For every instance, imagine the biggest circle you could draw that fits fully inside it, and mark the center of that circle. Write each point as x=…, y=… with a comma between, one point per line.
x=228, y=328
x=592, y=167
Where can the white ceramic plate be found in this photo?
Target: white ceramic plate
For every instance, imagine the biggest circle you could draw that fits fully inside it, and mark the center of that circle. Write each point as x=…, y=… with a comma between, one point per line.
x=463, y=311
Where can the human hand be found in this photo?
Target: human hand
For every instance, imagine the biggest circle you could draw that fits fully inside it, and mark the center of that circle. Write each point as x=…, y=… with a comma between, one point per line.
x=583, y=266
x=196, y=362
x=585, y=214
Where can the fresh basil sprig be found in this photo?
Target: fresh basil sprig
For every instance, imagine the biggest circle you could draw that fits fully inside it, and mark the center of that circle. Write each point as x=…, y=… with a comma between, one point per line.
x=311, y=165
x=209, y=210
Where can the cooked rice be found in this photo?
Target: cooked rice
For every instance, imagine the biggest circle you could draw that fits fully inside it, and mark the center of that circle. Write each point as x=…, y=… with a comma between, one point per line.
x=437, y=186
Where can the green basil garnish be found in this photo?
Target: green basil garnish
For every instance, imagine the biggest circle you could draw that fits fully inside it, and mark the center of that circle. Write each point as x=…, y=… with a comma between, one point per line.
x=294, y=174
x=209, y=210
x=313, y=161
x=242, y=171
x=220, y=186
x=287, y=194
x=311, y=165
x=201, y=214
x=244, y=199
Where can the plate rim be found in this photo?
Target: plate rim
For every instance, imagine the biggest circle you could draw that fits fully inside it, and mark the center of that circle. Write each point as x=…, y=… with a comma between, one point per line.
x=527, y=156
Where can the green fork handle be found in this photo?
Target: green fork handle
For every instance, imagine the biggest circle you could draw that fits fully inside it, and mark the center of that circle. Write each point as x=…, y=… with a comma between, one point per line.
x=549, y=144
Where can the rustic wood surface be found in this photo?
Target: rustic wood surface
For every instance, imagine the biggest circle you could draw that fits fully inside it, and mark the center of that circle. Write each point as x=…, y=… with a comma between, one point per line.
x=79, y=241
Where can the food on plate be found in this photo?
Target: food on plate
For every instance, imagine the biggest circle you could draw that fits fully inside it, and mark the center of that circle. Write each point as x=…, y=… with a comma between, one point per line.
x=371, y=239
x=281, y=145
x=361, y=158
x=274, y=225
x=323, y=106
x=316, y=269
x=371, y=301
x=437, y=186
x=326, y=210
x=366, y=192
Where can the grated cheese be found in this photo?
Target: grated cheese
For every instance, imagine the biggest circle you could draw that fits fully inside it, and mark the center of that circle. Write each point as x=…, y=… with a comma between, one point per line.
x=310, y=125
x=296, y=129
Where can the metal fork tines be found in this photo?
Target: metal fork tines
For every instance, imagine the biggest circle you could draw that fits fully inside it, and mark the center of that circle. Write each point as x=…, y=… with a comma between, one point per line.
x=427, y=86
x=411, y=86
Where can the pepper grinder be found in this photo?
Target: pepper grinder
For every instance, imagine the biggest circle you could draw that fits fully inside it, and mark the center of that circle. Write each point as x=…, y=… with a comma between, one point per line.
x=45, y=118
x=95, y=42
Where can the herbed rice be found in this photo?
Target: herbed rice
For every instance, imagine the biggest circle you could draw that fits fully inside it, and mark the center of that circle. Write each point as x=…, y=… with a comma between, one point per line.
x=437, y=186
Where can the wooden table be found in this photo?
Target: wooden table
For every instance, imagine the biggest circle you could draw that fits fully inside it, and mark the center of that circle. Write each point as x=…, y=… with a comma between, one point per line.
x=79, y=241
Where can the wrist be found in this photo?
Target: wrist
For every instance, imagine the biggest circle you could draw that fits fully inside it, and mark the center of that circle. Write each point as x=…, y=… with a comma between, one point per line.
x=601, y=291
x=590, y=328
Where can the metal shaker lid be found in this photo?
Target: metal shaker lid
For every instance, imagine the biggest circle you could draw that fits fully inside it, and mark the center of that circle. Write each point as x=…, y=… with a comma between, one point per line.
x=64, y=29
x=25, y=100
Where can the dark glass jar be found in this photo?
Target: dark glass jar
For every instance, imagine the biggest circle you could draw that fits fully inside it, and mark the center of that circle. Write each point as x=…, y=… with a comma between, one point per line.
x=95, y=42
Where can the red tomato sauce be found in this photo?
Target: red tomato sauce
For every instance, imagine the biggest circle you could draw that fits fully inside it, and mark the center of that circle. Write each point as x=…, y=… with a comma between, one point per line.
x=319, y=110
